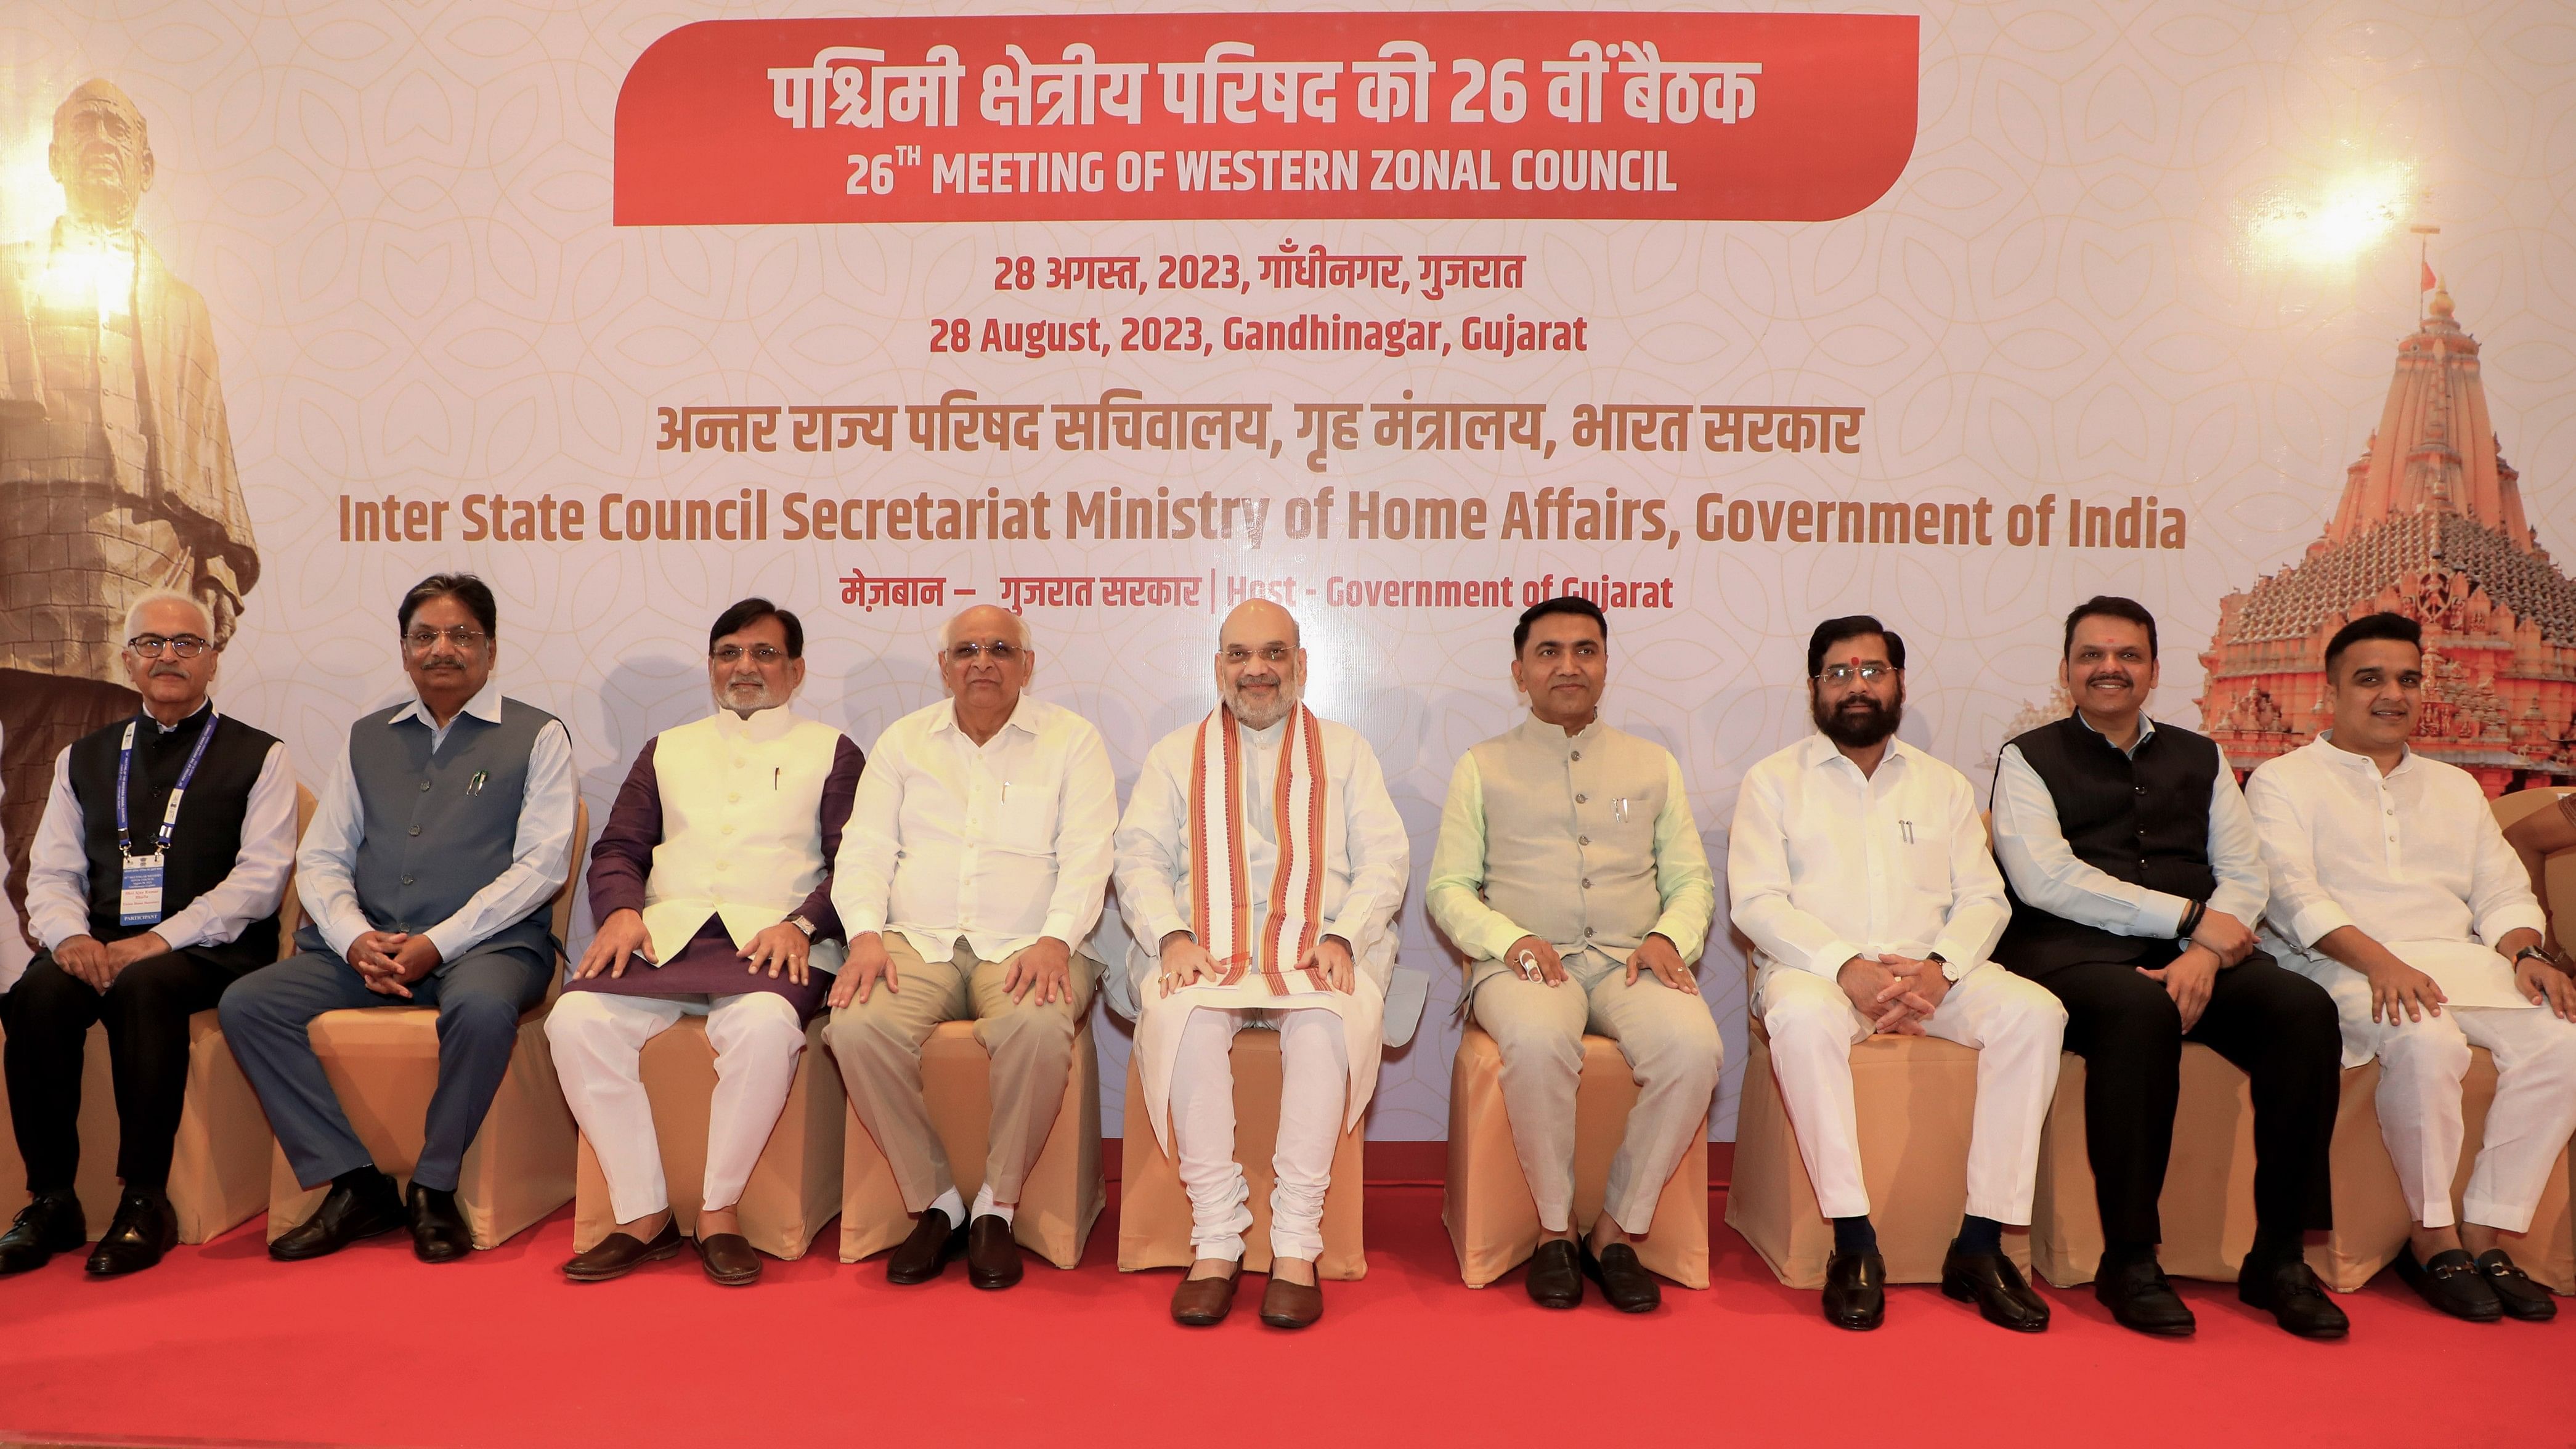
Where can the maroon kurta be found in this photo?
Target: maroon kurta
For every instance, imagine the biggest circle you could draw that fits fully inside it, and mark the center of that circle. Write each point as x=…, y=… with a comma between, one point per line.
x=710, y=965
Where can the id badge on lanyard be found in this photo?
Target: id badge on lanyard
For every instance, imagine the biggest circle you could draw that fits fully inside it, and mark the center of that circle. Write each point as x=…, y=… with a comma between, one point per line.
x=139, y=890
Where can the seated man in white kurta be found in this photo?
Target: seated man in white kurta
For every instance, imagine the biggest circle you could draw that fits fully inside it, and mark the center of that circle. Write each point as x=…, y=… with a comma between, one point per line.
x=1289, y=923
x=712, y=888
x=2393, y=888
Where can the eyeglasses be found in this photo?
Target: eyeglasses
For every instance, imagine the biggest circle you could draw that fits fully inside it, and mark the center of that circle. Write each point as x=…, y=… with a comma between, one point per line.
x=1238, y=656
x=184, y=646
x=1870, y=673
x=997, y=651
x=763, y=655
x=424, y=639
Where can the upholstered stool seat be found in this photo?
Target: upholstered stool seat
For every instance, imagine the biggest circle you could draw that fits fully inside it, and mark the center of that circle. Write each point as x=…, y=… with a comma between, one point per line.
x=795, y=1187
x=1493, y=1220
x=1062, y=1195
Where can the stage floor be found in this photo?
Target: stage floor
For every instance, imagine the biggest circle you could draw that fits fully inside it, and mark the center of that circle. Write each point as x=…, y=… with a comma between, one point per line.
x=221, y=1346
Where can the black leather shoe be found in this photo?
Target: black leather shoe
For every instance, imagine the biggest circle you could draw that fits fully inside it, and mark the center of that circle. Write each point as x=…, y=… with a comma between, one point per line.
x=992, y=1254
x=2453, y=1283
x=1624, y=1280
x=347, y=1215
x=1989, y=1280
x=729, y=1259
x=143, y=1229
x=50, y=1223
x=1556, y=1275
x=438, y=1231
x=1855, y=1291
x=2290, y=1292
x=2139, y=1298
x=2521, y=1297
x=619, y=1254
x=922, y=1256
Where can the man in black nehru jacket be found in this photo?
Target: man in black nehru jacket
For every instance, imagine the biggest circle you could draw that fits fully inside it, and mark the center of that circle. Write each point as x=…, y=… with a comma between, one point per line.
x=153, y=883
x=2136, y=880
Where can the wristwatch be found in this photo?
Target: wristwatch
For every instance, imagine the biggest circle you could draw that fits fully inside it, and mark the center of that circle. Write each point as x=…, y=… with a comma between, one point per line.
x=802, y=924
x=2536, y=954
x=1951, y=971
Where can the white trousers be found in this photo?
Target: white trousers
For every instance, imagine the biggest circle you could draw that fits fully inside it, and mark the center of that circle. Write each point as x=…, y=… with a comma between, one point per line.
x=598, y=1041
x=1314, y=1080
x=2421, y=1064
x=2017, y=1028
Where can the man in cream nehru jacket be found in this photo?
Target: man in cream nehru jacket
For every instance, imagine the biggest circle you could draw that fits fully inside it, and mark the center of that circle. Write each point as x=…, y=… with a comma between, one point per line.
x=1570, y=872
x=1859, y=870
x=2393, y=889
x=712, y=888
x=974, y=865
x=1260, y=864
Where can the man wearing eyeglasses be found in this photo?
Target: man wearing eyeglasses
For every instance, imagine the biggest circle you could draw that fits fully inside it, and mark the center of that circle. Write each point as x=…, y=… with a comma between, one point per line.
x=1859, y=870
x=975, y=862
x=154, y=883
x=1263, y=861
x=442, y=833
x=712, y=888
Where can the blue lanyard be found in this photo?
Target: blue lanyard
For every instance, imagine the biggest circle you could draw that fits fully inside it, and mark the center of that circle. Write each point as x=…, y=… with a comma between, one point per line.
x=170, y=816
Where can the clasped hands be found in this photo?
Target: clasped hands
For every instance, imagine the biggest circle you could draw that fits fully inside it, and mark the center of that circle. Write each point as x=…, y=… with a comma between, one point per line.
x=97, y=963
x=389, y=961
x=1897, y=993
x=1186, y=963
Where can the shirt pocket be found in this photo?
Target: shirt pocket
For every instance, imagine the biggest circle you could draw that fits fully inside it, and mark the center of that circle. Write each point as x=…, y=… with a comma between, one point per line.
x=1024, y=819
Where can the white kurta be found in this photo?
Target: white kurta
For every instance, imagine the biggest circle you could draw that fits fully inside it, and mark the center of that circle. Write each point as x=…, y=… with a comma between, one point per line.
x=1365, y=861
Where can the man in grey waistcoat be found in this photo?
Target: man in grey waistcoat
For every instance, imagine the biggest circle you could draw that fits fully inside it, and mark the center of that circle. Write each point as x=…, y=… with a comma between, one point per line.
x=1570, y=872
x=442, y=832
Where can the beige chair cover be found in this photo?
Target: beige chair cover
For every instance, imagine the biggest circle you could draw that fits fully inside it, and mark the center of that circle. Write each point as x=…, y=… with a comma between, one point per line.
x=1062, y=1196
x=1154, y=1210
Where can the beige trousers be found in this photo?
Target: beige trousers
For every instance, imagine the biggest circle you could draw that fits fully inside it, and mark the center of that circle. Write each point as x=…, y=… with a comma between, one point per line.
x=1673, y=1050
x=878, y=1044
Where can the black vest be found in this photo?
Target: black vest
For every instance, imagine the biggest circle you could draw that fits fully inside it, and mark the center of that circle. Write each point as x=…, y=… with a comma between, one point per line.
x=208, y=836
x=2144, y=820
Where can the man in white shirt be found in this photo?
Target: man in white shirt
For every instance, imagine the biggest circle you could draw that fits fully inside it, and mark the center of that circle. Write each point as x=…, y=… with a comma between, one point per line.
x=1859, y=870
x=2136, y=878
x=154, y=884
x=2393, y=888
x=443, y=831
x=712, y=887
x=1236, y=921
x=975, y=863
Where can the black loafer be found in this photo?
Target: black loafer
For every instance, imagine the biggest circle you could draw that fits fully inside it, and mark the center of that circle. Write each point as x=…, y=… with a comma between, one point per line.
x=1556, y=1274
x=2521, y=1297
x=347, y=1215
x=2290, y=1292
x=925, y=1254
x=50, y=1223
x=1989, y=1280
x=992, y=1254
x=143, y=1229
x=729, y=1259
x=619, y=1254
x=1855, y=1291
x=438, y=1231
x=2140, y=1299
x=2453, y=1283
x=1623, y=1279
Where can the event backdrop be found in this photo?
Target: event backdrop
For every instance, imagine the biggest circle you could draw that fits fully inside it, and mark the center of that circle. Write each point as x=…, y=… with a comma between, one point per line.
x=1407, y=318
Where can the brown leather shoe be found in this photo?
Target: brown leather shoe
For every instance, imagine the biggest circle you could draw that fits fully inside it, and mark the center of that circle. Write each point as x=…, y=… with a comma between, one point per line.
x=925, y=1252
x=729, y=1259
x=1204, y=1302
x=1291, y=1305
x=619, y=1254
x=992, y=1254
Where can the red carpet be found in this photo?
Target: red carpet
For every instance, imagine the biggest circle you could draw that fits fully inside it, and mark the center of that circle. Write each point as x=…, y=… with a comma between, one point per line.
x=219, y=1344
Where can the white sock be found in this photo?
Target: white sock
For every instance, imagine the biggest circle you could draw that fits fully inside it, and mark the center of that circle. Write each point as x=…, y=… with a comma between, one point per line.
x=985, y=1206
x=954, y=1206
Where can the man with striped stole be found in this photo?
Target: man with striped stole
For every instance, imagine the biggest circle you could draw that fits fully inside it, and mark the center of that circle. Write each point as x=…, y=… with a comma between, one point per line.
x=1260, y=864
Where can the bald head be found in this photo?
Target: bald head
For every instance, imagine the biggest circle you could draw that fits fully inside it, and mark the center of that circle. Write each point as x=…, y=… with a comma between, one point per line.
x=1260, y=663
x=101, y=154
x=984, y=621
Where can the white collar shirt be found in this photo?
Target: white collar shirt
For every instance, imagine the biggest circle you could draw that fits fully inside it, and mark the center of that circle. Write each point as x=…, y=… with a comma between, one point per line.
x=1000, y=843
x=1825, y=863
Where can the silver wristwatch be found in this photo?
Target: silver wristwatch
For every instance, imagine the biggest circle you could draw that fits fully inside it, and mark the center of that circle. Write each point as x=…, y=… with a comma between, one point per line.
x=802, y=924
x=1951, y=970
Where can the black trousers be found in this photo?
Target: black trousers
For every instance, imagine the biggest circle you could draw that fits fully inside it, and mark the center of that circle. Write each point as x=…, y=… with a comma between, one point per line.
x=48, y=1015
x=2277, y=1026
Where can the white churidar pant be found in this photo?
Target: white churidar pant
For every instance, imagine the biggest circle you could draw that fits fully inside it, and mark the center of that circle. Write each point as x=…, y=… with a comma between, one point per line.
x=1314, y=1077
x=2421, y=1064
